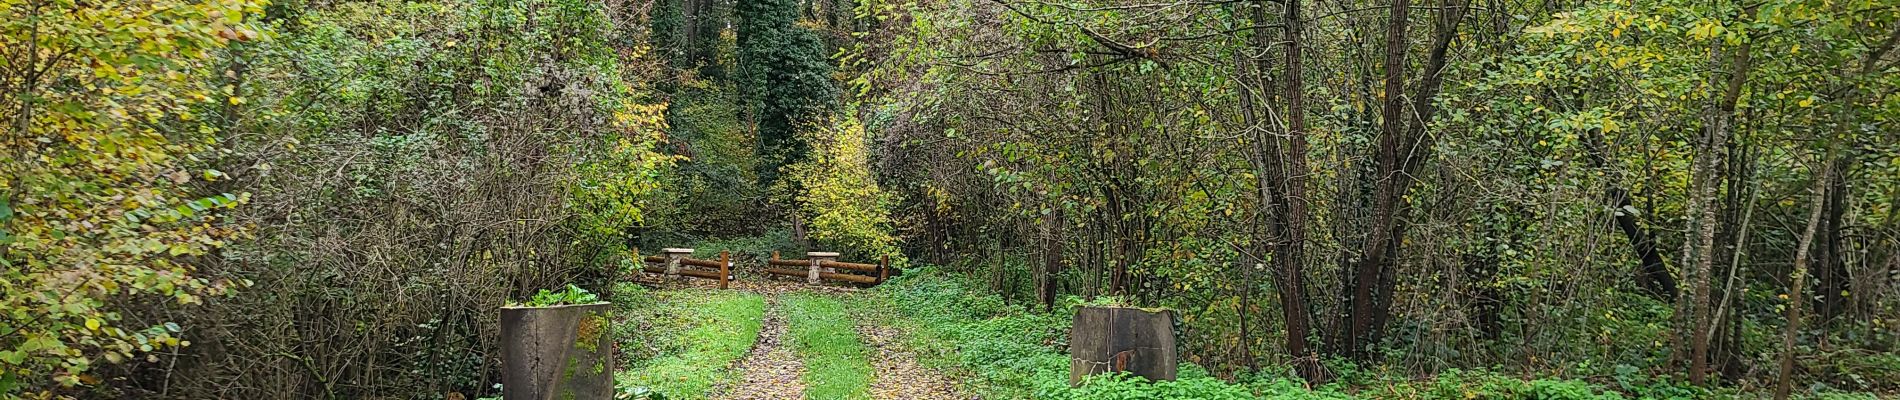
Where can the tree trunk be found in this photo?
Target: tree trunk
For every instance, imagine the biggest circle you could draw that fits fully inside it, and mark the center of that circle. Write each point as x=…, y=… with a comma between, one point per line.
x=1281, y=184
x=1707, y=175
x=1727, y=345
x=1784, y=384
x=1403, y=148
x=1365, y=273
x=1290, y=251
x=1652, y=276
x=1051, y=260
x=1832, y=275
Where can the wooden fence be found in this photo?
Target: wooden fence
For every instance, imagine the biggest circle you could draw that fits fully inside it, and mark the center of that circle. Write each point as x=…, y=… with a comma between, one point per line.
x=822, y=265
x=674, y=262
x=818, y=267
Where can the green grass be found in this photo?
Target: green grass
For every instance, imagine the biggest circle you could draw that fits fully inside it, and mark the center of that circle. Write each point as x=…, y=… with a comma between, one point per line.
x=836, y=366
x=682, y=343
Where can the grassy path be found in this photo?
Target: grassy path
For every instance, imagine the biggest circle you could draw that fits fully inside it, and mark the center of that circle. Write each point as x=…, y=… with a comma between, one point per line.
x=770, y=340
x=769, y=371
x=825, y=337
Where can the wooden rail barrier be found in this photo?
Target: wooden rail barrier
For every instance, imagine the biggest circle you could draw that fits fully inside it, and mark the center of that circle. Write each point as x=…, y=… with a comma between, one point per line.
x=823, y=266
x=672, y=260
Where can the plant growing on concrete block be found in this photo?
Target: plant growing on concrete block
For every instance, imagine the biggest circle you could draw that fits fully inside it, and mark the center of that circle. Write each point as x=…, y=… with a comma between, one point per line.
x=556, y=346
x=571, y=295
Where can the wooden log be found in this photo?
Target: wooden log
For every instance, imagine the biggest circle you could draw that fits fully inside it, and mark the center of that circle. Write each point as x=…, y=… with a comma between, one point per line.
x=701, y=274
x=850, y=266
x=557, y=352
x=789, y=263
x=689, y=273
x=1111, y=339
x=702, y=263
x=847, y=277
x=824, y=275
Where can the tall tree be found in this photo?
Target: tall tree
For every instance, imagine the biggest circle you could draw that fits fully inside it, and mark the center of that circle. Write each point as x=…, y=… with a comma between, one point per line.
x=1403, y=147
x=1281, y=159
x=1785, y=382
x=1290, y=250
x=785, y=71
x=1699, y=245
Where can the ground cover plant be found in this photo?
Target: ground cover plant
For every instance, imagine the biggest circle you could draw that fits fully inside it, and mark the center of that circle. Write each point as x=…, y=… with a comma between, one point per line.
x=680, y=344
x=1012, y=351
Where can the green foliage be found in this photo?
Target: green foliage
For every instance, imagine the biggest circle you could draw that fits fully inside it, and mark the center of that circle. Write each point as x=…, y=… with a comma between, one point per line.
x=750, y=249
x=421, y=161
x=683, y=343
x=841, y=199
x=1123, y=386
x=571, y=295
x=785, y=69
x=712, y=189
x=666, y=30
x=100, y=165
x=826, y=340
x=624, y=392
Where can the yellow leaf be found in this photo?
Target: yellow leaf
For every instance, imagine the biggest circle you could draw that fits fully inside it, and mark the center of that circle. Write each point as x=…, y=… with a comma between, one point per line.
x=92, y=323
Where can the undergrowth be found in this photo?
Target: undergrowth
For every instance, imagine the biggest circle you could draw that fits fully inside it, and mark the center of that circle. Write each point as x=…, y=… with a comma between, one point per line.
x=681, y=343
x=1007, y=351
x=836, y=366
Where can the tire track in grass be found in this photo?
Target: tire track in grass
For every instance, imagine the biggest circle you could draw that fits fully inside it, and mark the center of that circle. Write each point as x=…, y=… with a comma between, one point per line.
x=769, y=371
x=825, y=336
x=898, y=374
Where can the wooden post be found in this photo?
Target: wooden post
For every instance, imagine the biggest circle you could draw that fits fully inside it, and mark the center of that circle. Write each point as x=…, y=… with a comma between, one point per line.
x=725, y=268
x=884, y=269
x=818, y=257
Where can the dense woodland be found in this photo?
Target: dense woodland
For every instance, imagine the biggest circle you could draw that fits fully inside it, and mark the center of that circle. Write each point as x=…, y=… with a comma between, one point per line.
x=329, y=199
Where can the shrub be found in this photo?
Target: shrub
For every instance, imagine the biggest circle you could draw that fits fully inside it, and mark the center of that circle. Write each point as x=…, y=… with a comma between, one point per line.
x=418, y=164
x=102, y=157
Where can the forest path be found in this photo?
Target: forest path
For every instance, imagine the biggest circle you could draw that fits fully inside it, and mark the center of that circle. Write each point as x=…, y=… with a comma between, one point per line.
x=774, y=369
x=770, y=371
